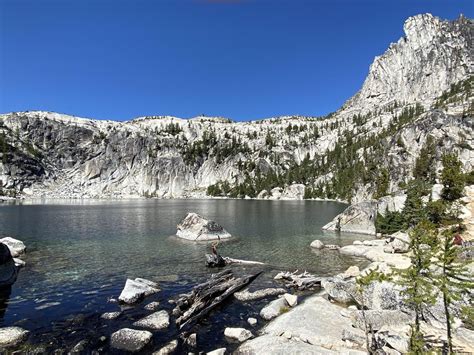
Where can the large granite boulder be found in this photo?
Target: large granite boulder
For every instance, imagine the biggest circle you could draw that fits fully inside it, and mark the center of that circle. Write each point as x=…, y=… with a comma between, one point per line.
x=357, y=218
x=239, y=334
x=197, y=228
x=377, y=319
x=17, y=247
x=135, y=290
x=293, y=192
x=130, y=339
x=400, y=243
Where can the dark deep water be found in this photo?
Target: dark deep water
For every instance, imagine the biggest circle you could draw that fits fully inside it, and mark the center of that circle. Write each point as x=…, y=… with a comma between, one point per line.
x=79, y=254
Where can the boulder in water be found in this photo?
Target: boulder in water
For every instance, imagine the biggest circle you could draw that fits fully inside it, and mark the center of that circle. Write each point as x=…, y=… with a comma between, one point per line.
x=155, y=321
x=239, y=334
x=17, y=247
x=130, y=339
x=135, y=290
x=197, y=228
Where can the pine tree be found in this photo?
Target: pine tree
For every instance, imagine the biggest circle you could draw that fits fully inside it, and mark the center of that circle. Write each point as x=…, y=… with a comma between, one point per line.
x=453, y=280
x=413, y=210
x=452, y=178
x=416, y=279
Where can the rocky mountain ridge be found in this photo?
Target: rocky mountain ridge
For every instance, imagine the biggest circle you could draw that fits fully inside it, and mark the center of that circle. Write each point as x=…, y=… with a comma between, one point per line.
x=417, y=94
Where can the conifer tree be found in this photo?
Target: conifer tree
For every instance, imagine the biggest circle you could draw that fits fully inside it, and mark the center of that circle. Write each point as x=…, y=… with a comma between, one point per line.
x=416, y=279
x=453, y=279
x=452, y=178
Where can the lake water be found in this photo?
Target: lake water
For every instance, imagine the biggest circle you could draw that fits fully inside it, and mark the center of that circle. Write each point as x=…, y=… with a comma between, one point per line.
x=79, y=254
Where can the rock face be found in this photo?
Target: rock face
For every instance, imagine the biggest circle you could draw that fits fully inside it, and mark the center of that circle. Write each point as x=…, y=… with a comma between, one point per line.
x=130, y=339
x=168, y=157
x=197, y=228
x=358, y=218
x=135, y=290
x=11, y=336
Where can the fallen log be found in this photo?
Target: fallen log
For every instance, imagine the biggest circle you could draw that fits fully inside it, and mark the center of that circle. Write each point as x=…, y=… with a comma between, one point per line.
x=207, y=296
x=302, y=281
x=213, y=260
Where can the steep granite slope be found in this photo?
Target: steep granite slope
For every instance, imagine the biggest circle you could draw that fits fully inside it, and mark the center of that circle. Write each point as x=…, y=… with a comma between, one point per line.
x=418, y=95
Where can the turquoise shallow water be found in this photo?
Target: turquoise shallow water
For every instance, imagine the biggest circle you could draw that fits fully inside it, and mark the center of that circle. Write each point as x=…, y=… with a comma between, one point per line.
x=81, y=252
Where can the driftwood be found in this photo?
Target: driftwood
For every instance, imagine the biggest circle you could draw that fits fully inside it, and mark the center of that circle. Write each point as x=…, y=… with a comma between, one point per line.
x=301, y=282
x=206, y=296
x=213, y=260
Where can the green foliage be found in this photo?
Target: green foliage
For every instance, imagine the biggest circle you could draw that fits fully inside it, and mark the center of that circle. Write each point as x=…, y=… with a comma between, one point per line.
x=469, y=178
x=390, y=223
x=436, y=211
x=452, y=178
x=413, y=210
x=173, y=129
x=453, y=280
x=382, y=183
x=425, y=163
x=416, y=279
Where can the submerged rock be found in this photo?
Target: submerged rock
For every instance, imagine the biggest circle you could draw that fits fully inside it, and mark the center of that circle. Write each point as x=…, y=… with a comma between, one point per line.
x=156, y=321
x=11, y=336
x=135, y=290
x=239, y=334
x=130, y=339
x=110, y=315
x=195, y=227
x=274, y=309
x=152, y=306
x=246, y=295
x=168, y=348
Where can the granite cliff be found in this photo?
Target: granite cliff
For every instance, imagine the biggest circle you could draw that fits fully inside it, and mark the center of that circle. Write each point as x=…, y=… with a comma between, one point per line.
x=418, y=94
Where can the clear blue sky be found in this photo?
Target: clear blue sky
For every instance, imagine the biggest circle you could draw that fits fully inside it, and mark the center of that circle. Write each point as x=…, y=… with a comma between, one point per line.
x=116, y=59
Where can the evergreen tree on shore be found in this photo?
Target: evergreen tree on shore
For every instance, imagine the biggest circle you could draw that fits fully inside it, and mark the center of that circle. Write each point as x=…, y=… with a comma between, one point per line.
x=417, y=278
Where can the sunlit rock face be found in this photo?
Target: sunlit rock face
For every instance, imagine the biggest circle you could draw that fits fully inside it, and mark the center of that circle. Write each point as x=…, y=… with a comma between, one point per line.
x=56, y=155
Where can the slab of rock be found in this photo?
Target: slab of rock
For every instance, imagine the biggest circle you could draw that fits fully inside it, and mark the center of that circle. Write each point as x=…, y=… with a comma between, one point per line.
x=357, y=218
x=252, y=321
x=152, y=306
x=379, y=319
x=317, y=244
x=399, y=244
x=197, y=228
x=110, y=315
x=316, y=321
x=246, y=295
x=293, y=192
x=272, y=344
x=155, y=321
x=391, y=203
x=397, y=338
x=168, y=348
x=239, y=334
x=354, y=335
x=12, y=336
x=274, y=309
x=17, y=247
x=376, y=253
x=130, y=339
x=292, y=300
x=220, y=351
x=135, y=290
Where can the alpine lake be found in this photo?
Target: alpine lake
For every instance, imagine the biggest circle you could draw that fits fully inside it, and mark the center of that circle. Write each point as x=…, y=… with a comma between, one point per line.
x=80, y=253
